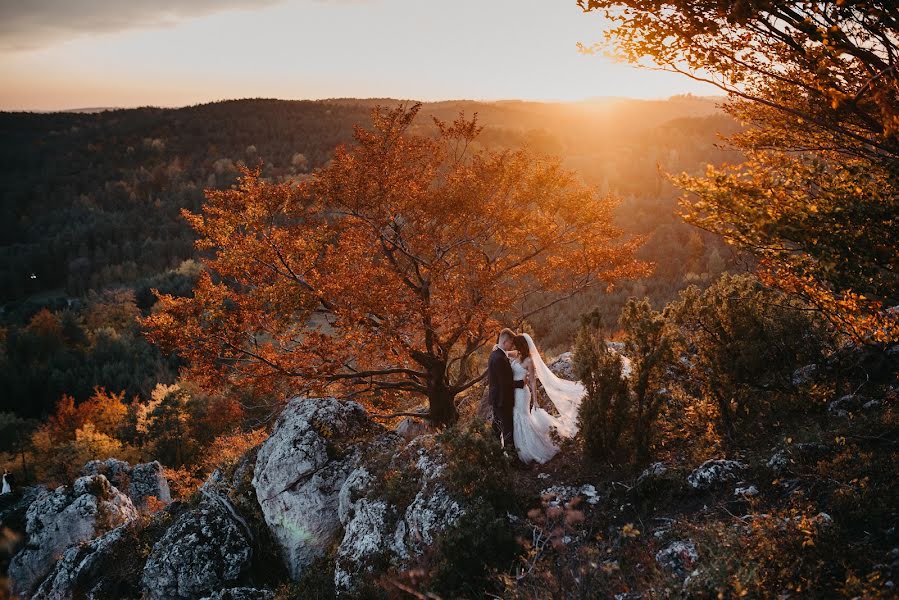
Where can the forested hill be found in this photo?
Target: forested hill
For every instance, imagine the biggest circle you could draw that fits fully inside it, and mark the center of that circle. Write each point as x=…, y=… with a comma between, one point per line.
x=89, y=200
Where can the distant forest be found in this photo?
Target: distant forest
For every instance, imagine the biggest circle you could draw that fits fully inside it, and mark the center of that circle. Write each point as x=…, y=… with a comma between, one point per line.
x=90, y=221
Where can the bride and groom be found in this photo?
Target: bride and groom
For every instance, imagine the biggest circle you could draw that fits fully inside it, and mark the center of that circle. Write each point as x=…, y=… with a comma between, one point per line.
x=513, y=370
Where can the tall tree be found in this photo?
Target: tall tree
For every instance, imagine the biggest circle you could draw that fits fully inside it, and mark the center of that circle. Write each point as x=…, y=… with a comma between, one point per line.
x=386, y=271
x=817, y=84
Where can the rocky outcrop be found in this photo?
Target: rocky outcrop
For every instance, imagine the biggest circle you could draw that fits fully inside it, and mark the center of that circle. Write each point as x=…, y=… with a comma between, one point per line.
x=315, y=445
x=13, y=511
x=713, y=473
x=563, y=366
x=62, y=518
x=242, y=593
x=205, y=549
x=784, y=459
x=139, y=482
x=379, y=530
x=90, y=569
x=679, y=557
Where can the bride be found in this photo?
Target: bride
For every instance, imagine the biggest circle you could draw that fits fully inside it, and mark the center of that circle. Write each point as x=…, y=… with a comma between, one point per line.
x=532, y=425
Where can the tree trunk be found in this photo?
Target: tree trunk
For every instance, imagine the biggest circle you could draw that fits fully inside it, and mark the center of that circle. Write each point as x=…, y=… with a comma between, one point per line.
x=441, y=401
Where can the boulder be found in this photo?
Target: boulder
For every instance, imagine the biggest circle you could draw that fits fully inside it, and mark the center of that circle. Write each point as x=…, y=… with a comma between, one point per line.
x=139, y=482
x=13, y=511
x=89, y=570
x=62, y=518
x=804, y=375
x=650, y=473
x=783, y=459
x=563, y=366
x=242, y=593
x=205, y=549
x=679, y=557
x=714, y=472
x=378, y=532
x=844, y=405
x=559, y=495
x=315, y=444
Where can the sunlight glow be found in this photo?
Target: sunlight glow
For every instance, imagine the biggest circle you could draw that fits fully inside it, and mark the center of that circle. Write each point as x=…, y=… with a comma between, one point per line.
x=320, y=49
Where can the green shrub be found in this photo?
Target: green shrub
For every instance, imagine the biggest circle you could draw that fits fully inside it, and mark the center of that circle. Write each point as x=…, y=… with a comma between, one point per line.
x=738, y=344
x=605, y=407
x=618, y=416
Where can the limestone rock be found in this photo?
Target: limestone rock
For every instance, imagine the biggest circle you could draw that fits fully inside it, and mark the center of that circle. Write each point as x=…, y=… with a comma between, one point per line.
x=377, y=532
x=88, y=569
x=62, y=518
x=242, y=593
x=204, y=550
x=563, y=366
x=562, y=494
x=13, y=511
x=714, y=472
x=678, y=557
x=139, y=482
x=300, y=471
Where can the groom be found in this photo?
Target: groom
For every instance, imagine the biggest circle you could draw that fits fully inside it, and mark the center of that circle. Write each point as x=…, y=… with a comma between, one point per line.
x=501, y=387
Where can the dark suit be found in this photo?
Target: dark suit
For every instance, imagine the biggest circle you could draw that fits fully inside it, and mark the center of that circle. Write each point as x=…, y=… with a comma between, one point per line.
x=501, y=394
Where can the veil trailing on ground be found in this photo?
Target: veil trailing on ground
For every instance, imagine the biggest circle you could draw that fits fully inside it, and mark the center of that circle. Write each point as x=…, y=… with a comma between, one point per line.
x=565, y=395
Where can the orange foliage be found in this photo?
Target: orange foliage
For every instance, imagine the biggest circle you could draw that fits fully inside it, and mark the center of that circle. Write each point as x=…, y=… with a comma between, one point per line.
x=387, y=270
x=229, y=448
x=105, y=410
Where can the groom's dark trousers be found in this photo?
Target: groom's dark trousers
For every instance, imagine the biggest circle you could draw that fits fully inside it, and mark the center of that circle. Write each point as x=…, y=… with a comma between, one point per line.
x=501, y=394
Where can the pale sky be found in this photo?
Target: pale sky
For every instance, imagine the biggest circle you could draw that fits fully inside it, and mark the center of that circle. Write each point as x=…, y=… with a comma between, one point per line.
x=60, y=54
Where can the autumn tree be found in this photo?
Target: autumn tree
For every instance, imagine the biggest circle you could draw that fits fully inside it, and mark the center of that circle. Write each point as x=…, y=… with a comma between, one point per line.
x=817, y=86
x=385, y=272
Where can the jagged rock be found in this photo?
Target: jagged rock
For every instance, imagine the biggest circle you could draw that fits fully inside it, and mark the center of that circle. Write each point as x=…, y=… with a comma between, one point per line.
x=139, y=482
x=13, y=510
x=678, y=557
x=653, y=471
x=205, y=549
x=563, y=366
x=63, y=518
x=300, y=470
x=376, y=532
x=713, y=472
x=148, y=481
x=746, y=491
x=118, y=472
x=85, y=569
x=804, y=375
x=242, y=593
x=559, y=495
x=783, y=459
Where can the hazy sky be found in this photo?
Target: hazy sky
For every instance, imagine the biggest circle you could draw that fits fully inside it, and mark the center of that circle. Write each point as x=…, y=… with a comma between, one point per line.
x=57, y=54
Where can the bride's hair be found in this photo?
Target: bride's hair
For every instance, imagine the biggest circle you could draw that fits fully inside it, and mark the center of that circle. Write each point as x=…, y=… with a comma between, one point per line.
x=521, y=344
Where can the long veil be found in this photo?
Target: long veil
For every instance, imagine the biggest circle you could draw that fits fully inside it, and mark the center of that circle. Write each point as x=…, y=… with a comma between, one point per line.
x=565, y=395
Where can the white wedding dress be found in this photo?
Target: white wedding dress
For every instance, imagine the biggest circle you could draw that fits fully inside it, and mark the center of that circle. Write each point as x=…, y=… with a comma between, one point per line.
x=532, y=427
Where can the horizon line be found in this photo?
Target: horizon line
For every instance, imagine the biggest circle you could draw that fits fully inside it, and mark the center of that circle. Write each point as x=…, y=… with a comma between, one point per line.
x=99, y=109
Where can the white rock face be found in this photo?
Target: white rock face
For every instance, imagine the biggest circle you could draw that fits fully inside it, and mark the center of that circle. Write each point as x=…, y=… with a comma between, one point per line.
x=242, y=593
x=300, y=471
x=139, y=482
x=375, y=529
x=204, y=550
x=562, y=494
x=62, y=518
x=714, y=472
x=678, y=556
x=563, y=366
x=81, y=571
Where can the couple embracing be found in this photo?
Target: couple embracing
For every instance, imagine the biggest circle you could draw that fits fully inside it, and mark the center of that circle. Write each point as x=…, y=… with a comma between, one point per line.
x=513, y=370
